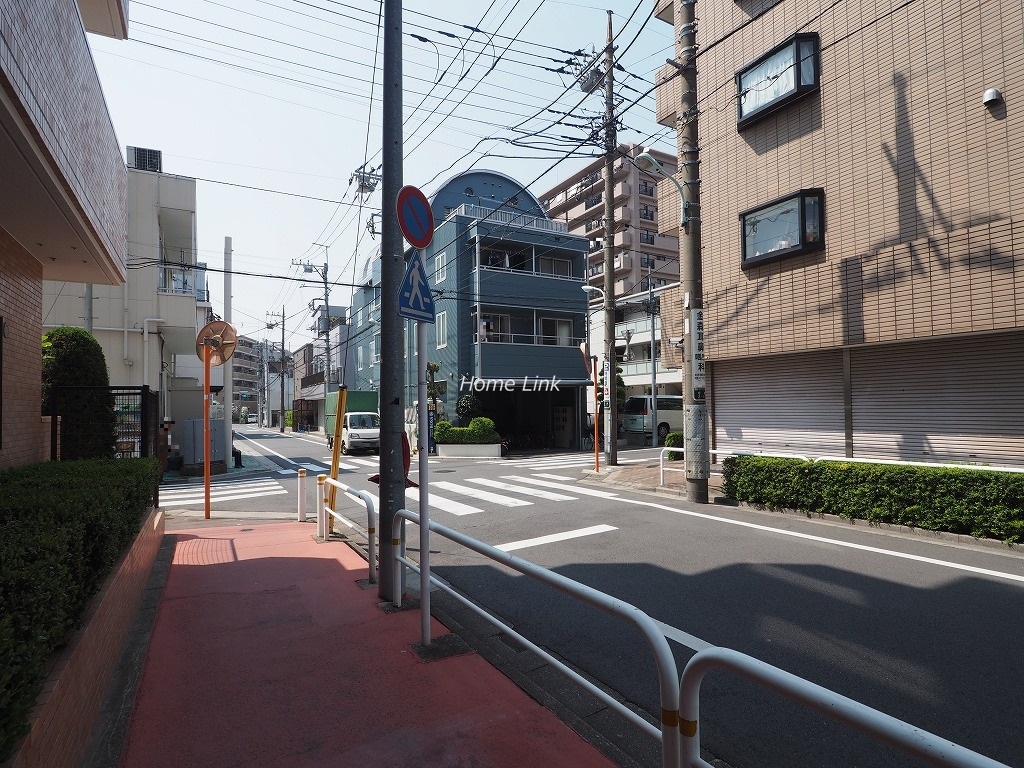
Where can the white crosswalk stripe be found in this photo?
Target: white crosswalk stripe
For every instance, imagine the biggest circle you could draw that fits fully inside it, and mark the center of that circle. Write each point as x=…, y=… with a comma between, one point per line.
x=551, y=538
x=562, y=486
x=540, y=494
x=442, y=503
x=476, y=493
x=365, y=462
x=220, y=491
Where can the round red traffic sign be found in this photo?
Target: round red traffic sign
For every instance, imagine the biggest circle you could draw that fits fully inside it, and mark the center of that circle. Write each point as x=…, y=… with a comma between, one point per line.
x=415, y=217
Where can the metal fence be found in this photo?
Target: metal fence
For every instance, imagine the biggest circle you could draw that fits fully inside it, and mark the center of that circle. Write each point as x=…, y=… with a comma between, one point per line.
x=104, y=421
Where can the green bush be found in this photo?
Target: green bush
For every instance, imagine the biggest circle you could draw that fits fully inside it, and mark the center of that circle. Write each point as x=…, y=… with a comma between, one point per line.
x=479, y=432
x=62, y=528
x=971, y=502
x=73, y=358
x=674, y=440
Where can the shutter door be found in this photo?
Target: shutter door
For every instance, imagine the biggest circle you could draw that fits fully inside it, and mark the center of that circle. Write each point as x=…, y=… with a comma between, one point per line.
x=941, y=400
x=784, y=404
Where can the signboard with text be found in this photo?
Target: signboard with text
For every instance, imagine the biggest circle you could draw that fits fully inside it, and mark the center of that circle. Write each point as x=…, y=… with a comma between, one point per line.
x=697, y=353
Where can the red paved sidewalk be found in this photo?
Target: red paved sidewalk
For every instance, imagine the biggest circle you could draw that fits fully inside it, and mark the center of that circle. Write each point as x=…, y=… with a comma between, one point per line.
x=266, y=652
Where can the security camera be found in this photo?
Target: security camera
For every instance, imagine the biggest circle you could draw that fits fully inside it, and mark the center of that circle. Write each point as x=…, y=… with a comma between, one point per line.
x=675, y=341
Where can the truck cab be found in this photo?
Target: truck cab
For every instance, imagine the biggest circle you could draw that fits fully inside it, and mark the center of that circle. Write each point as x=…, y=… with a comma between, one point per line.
x=360, y=431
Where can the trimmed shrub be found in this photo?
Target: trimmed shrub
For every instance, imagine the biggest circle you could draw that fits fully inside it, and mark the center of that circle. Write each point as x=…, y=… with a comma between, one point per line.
x=73, y=358
x=479, y=432
x=674, y=440
x=971, y=502
x=62, y=528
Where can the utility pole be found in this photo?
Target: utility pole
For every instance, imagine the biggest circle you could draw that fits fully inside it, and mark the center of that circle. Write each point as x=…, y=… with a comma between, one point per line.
x=695, y=416
x=260, y=380
x=610, y=143
x=322, y=272
x=274, y=325
x=654, y=358
x=392, y=269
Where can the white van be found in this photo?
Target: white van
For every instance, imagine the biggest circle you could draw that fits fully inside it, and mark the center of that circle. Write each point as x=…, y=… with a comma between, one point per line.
x=360, y=431
x=638, y=412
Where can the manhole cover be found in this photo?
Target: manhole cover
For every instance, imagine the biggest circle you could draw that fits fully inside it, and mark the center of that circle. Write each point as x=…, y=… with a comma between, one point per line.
x=441, y=471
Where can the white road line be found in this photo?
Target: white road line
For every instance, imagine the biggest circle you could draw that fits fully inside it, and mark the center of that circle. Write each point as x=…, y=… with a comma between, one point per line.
x=446, y=505
x=314, y=468
x=200, y=499
x=551, y=496
x=555, y=537
x=683, y=638
x=268, y=450
x=476, y=493
x=836, y=542
x=364, y=462
x=566, y=486
x=166, y=493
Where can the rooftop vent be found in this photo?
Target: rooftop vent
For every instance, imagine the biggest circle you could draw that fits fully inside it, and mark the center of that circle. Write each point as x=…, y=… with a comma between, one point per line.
x=145, y=159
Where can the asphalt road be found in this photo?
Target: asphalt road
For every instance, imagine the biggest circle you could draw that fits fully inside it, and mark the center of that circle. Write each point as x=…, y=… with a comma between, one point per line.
x=922, y=629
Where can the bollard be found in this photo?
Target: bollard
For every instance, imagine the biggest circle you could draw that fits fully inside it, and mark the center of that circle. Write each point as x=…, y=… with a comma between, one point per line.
x=321, y=506
x=302, y=495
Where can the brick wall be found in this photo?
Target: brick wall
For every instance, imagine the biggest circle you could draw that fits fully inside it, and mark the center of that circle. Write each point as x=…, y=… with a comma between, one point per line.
x=72, y=697
x=21, y=296
x=923, y=221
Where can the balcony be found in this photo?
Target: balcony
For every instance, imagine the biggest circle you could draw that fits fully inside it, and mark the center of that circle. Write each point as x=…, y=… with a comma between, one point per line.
x=670, y=206
x=668, y=95
x=663, y=9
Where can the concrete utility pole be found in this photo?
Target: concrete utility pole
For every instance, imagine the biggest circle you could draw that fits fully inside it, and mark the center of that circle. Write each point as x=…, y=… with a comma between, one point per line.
x=327, y=336
x=274, y=325
x=392, y=270
x=695, y=416
x=229, y=366
x=654, y=356
x=610, y=139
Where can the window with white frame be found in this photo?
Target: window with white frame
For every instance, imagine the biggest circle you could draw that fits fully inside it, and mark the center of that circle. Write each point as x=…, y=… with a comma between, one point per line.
x=496, y=328
x=359, y=357
x=784, y=227
x=441, y=329
x=548, y=265
x=778, y=78
x=440, y=266
x=556, y=331
x=376, y=348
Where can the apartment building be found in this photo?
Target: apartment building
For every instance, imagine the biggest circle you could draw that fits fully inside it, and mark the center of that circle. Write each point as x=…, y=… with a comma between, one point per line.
x=509, y=311
x=148, y=324
x=62, y=191
x=860, y=221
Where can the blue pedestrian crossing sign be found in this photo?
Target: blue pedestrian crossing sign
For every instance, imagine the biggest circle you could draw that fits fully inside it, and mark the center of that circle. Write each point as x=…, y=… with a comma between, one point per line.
x=414, y=299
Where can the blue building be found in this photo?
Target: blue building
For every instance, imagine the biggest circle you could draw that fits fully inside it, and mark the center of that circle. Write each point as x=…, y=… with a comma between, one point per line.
x=510, y=314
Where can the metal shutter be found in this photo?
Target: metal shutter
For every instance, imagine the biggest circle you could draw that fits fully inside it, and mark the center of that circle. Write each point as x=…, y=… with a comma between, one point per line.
x=784, y=404
x=941, y=400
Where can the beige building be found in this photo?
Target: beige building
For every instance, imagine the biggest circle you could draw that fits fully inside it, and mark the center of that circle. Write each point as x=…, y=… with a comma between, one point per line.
x=862, y=259
x=642, y=249
x=62, y=191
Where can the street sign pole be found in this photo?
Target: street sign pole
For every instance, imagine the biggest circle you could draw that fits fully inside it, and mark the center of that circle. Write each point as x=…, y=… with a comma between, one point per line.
x=422, y=442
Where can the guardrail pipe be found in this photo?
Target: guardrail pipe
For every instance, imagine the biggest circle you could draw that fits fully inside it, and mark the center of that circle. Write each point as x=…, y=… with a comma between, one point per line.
x=668, y=683
x=301, y=491
x=321, y=507
x=371, y=522
x=661, y=463
x=882, y=727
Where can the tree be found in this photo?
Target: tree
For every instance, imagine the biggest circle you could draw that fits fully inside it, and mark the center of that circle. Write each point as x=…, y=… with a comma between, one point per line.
x=468, y=407
x=73, y=362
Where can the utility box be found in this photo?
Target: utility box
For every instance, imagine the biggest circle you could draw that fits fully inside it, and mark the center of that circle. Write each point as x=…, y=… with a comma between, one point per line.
x=192, y=441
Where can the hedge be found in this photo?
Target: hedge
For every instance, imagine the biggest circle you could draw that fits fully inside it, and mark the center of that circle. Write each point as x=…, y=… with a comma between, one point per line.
x=62, y=528
x=978, y=503
x=479, y=432
x=674, y=440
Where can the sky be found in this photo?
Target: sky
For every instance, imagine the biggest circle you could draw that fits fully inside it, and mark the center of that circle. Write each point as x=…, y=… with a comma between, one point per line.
x=267, y=103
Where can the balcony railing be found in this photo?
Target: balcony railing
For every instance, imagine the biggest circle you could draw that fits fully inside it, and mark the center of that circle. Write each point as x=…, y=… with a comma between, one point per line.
x=519, y=220
x=528, y=338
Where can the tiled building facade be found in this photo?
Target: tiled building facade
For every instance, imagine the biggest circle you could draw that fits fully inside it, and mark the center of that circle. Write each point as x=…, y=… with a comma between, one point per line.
x=62, y=191
x=863, y=258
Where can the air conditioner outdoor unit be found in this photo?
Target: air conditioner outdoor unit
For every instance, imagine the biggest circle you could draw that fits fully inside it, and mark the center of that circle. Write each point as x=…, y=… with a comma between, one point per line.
x=145, y=159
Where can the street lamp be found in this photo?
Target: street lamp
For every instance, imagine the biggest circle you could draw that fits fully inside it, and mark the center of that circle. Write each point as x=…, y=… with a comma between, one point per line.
x=695, y=413
x=609, y=380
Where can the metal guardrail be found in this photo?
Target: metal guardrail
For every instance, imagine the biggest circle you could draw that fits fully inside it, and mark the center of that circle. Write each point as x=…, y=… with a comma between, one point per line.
x=662, y=469
x=884, y=728
x=323, y=512
x=669, y=733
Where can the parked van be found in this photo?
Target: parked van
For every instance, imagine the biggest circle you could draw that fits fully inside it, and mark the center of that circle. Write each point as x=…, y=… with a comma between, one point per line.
x=360, y=431
x=638, y=412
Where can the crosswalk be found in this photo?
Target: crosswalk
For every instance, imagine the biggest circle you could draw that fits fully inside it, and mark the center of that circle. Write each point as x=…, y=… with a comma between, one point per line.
x=562, y=461
x=220, y=490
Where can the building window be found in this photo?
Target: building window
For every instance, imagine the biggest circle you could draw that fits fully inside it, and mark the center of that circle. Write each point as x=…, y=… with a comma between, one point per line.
x=648, y=212
x=547, y=265
x=441, y=329
x=593, y=200
x=440, y=267
x=496, y=328
x=647, y=236
x=646, y=261
x=376, y=348
x=556, y=331
x=647, y=188
x=784, y=227
x=780, y=77
x=359, y=358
